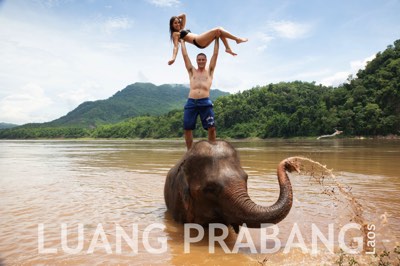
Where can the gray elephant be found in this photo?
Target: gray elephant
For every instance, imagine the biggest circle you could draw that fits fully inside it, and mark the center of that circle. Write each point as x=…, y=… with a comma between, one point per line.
x=208, y=185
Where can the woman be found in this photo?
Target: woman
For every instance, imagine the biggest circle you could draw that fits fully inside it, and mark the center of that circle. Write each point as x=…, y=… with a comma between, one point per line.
x=178, y=31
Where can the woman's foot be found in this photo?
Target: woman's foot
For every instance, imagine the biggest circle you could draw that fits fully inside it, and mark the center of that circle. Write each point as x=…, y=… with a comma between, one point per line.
x=229, y=51
x=240, y=40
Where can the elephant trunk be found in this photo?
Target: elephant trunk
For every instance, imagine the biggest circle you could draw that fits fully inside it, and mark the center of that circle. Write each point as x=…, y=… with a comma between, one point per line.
x=244, y=210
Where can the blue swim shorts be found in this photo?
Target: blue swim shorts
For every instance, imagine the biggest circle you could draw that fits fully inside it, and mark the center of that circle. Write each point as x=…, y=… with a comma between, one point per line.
x=195, y=107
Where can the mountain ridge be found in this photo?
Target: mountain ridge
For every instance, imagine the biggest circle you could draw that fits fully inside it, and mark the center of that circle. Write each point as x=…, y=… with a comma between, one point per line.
x=7, y=125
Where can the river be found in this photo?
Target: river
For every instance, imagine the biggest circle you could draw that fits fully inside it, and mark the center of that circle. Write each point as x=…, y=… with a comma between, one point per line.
x=100, y=202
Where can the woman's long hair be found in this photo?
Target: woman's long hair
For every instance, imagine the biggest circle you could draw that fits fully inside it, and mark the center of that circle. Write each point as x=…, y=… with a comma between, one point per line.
x=171, y=28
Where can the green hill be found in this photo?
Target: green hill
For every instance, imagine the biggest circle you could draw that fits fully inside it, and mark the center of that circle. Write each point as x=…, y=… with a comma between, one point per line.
x=135, y=100
x=7, y=125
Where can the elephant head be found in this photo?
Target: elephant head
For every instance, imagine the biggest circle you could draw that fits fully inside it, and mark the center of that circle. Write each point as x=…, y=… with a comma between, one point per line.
x=208, y=185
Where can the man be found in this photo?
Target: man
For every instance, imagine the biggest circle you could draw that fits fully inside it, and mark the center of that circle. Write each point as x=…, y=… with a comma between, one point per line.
x=198, y=102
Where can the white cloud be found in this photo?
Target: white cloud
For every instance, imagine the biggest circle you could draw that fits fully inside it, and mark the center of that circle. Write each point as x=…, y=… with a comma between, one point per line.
x=164, y=3
x=274, y=30
x=48, y=3
x=100, y=24
x=261, y=47
x=289, y=29
x=21, y=107
x=264, y=39
x=341, y=77
x=118, y=23
x=68, y=67
x=335, y=79
x=360, y=64
x=114, y=46
x=74, y=97
x=141, y=77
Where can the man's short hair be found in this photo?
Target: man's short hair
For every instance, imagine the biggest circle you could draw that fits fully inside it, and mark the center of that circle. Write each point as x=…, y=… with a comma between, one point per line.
x=203, y=54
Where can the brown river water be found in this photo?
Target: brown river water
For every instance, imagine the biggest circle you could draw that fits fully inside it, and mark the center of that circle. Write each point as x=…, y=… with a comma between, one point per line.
x=100, y=202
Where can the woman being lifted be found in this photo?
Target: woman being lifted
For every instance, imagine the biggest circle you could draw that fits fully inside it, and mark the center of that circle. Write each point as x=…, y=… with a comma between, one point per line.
x=177, y=30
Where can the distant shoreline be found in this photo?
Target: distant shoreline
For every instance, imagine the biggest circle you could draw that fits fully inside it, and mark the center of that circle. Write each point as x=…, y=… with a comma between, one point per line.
x=389, y=137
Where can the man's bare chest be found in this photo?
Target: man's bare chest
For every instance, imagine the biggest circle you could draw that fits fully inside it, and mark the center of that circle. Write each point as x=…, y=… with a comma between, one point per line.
x=202, y=76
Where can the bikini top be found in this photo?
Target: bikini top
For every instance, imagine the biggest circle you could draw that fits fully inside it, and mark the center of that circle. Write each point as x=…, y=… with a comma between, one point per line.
x=183, y=33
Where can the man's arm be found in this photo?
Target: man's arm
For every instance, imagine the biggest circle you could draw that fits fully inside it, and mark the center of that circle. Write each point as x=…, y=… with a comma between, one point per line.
x=186, y=58
x=213, y=62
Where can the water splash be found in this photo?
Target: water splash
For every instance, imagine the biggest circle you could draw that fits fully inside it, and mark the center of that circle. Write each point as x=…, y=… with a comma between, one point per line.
x=338, y=192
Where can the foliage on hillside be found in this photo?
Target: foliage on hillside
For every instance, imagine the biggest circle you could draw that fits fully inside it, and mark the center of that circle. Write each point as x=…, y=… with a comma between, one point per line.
x=368, y=105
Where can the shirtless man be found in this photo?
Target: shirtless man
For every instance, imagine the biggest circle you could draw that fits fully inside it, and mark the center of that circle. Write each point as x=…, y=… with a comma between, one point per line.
x=199, y=102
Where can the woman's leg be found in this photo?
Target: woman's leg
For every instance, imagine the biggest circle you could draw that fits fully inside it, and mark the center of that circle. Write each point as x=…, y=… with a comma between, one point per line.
x=226, y=34
x=206, y=38
x=227, y=47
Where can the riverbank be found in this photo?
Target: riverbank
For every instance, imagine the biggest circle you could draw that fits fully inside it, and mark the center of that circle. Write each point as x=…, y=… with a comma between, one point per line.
x=388, y=137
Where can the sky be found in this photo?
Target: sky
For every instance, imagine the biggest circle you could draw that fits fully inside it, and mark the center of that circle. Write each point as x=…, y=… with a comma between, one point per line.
x=56, y=54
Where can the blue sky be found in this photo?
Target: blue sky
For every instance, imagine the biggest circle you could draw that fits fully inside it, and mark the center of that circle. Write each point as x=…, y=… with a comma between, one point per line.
x=55, y=54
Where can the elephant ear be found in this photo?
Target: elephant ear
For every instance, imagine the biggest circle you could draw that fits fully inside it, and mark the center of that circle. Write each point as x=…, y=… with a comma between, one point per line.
x=188, y=204
x=185, y=195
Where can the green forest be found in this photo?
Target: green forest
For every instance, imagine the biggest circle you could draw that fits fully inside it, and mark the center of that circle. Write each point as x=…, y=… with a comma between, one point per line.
x=366, y=105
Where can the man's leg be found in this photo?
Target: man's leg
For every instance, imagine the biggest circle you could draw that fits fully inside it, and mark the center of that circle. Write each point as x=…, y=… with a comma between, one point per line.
x=212, y=134
x=207, y=120
x=189, y=138
x=189, y=122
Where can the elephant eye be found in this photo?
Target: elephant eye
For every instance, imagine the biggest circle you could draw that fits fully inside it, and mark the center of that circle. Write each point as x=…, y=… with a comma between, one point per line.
x=212, y=188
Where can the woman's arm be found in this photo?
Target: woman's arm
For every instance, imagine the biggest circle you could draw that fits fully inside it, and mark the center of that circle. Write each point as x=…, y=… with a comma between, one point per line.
x=182, y=18
x=175, y=39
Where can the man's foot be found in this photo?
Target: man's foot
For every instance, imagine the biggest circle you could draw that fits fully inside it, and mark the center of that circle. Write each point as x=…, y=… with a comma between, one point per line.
x=240, y=40
x=229, y=51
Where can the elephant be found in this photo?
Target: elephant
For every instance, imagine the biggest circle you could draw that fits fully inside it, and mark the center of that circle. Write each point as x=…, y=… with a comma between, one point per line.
x=208, y=185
